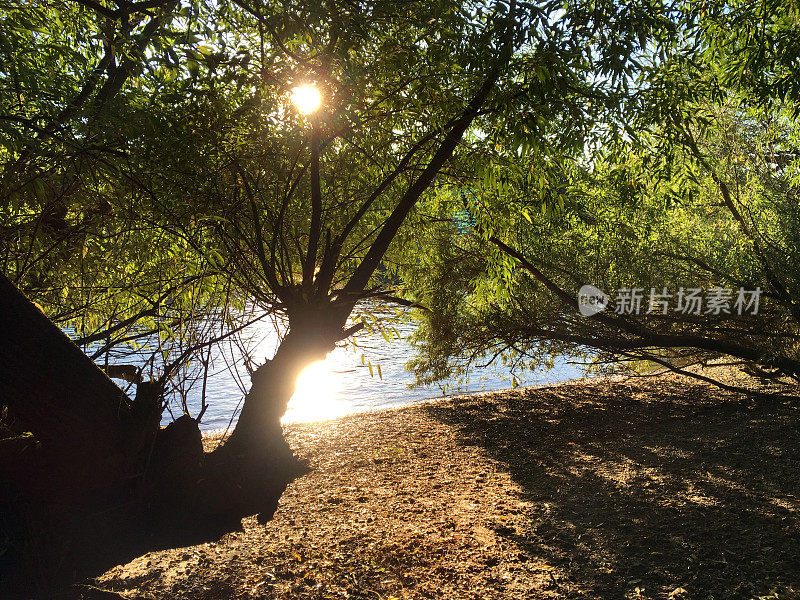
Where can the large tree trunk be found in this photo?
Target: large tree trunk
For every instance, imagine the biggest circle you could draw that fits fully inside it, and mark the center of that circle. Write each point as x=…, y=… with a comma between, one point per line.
x=99, y=482
x=256, y=460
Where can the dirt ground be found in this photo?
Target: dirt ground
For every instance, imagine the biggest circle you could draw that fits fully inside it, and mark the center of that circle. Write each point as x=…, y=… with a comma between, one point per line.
x=647, y=488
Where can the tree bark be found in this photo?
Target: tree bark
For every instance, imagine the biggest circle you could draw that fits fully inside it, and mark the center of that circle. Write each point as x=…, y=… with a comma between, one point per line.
x=98, y=484
x=257, y=446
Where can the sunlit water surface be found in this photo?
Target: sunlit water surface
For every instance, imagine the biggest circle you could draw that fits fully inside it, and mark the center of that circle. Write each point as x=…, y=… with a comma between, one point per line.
x=342, y=383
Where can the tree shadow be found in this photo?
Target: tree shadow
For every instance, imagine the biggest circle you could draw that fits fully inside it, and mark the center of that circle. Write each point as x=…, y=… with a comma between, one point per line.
x=638, y=489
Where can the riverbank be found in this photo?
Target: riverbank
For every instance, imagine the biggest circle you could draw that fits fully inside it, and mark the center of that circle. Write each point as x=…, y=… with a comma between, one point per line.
x=650, y=488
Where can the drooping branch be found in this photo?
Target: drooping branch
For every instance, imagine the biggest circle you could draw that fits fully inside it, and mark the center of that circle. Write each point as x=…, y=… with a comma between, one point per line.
x=151, y=311
x=643, y=337
x=781, y=292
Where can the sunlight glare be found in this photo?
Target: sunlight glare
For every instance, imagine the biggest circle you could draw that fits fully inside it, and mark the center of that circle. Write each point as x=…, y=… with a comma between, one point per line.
x=306, y=99
x=315, y=398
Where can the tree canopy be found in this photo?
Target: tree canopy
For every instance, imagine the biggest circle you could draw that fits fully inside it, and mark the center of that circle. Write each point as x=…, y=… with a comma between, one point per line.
x=155, y=173
x=696, y=195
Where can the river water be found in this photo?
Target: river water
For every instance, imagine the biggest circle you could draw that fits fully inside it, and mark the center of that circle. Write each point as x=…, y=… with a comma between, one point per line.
x=367, y=374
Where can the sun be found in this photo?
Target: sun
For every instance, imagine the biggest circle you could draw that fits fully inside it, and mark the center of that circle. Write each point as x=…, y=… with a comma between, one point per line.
x=306, y=99
x=316, y=395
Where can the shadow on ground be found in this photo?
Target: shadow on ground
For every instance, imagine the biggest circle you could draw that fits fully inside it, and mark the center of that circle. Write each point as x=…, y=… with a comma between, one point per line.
x=688, y=492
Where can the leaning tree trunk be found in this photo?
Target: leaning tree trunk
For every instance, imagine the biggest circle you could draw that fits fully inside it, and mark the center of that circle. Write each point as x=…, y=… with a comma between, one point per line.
x=98, y=482
x=256, y=458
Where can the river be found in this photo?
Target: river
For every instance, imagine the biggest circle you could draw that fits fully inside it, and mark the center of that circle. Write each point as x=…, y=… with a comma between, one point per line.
x=367, y=374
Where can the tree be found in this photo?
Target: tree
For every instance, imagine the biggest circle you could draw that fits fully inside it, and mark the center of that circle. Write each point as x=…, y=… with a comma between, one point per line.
x=92, y=446
x=175, y=116
x=699, y=194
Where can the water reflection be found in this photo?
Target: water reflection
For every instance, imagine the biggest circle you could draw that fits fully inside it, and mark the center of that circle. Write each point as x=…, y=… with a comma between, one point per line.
x=317, y=395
